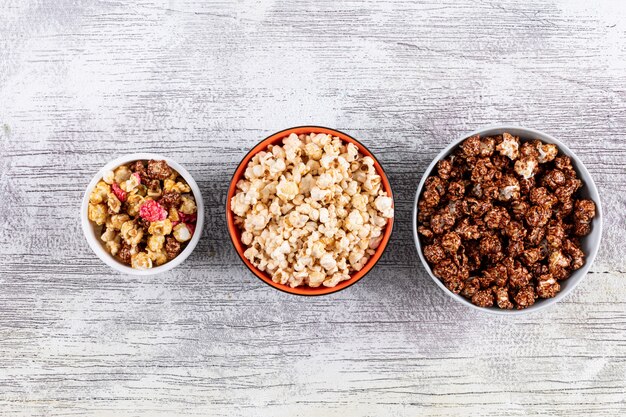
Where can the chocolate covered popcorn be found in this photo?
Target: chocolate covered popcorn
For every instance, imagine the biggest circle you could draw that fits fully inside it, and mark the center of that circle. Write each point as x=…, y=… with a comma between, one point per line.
x=500, y=223
x=145, y=213
x=311, y=211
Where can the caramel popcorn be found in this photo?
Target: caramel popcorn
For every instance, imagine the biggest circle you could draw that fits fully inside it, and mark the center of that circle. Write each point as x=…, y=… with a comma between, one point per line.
x=501, y=221
x=312, y=210
x=145, y=211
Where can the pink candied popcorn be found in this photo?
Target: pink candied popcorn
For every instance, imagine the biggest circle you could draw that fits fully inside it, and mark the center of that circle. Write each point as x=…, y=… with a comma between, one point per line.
x=188, y=218
x=152, y=211
x=136, y=175
x=119, y=193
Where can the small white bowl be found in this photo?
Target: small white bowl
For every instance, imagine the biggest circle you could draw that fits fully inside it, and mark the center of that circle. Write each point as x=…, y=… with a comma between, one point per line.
x=98, y=246
x=590, y=243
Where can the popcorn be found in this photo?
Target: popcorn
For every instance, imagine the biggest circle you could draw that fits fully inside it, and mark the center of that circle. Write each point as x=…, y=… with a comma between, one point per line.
x=328, y=262
x=178, y=187
x=187, y=205
x=286, y=190
x=181, y=233
x=109, y=235
x=143, y=232
x=113, y=246
x=134, y=203
x=158, y=257
x=511, y=219
x=311, y=211
x=509, y=188
x=547, y=152
x=121, y=174
x=525, y=297
x=131, y=233
x=152, y=211
x=131, y=183
x=172, y=247
x=384, y=204
x=109, y=177
x=141, y=261
x=115, y=221
x=99, y=193
x=119, y=193
x=160, y=227
x=526, y=167
x=158, y=170
x=113, y=203
x=509, y=146
x=155, y=242
x=97, y=213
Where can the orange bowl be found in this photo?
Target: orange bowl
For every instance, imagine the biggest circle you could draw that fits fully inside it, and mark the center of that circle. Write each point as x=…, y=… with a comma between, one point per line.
x=235, y=233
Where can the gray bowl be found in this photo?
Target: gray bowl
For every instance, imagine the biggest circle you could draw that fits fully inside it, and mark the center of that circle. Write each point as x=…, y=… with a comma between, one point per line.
x=590, y=243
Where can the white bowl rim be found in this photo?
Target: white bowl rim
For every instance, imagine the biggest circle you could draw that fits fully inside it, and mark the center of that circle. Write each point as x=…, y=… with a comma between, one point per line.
x=587, y=180
x=94, y=240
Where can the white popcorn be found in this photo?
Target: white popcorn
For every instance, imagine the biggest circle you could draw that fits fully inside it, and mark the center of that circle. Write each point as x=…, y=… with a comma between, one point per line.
x=277, y=167
x=246, y=238
x=181, y=232
x=257, y=221
x=313, y=151
x=525, y=167
x=298, y=220
x=316, y=278
x=384, y=205
x=372, y=184
x=547, y=152
x=318, y=194
x=251, y=253
x=352, y=188
x=336, y=279
x=509, y=146
x=108, y=177
x=355, y=220
x=311, y=211
x=324, y=216
x=130, y=184
x=328, y=262
x=352, y=152
x=327, y=160
x=507, y=193
x=286, y=190
x=359, y=202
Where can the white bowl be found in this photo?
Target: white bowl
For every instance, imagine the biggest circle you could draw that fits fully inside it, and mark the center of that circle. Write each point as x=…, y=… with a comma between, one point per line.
x=590, y=243
x=98, y=246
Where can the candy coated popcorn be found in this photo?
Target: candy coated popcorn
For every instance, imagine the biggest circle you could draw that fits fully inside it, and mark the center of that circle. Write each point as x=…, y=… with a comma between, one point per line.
x=152, y=211
x=136, y=217
x=500, y=221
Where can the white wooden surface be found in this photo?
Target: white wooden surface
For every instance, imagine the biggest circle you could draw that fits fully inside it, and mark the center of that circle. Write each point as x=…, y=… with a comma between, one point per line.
x=82, y=82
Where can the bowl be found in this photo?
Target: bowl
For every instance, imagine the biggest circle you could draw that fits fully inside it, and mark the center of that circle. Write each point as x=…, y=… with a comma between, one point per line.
x=589, y=243
x=235, y=234
x=89, y=229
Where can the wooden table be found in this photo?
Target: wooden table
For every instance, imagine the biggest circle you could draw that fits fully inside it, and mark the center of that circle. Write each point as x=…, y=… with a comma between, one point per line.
x=84, y=82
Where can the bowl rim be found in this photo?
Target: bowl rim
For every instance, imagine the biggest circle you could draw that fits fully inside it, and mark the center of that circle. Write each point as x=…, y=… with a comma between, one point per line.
x=94, y=241
x=578, y=166
x=306, y=291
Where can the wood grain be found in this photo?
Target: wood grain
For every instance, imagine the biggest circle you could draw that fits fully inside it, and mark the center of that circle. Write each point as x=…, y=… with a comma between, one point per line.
x=84, y=82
